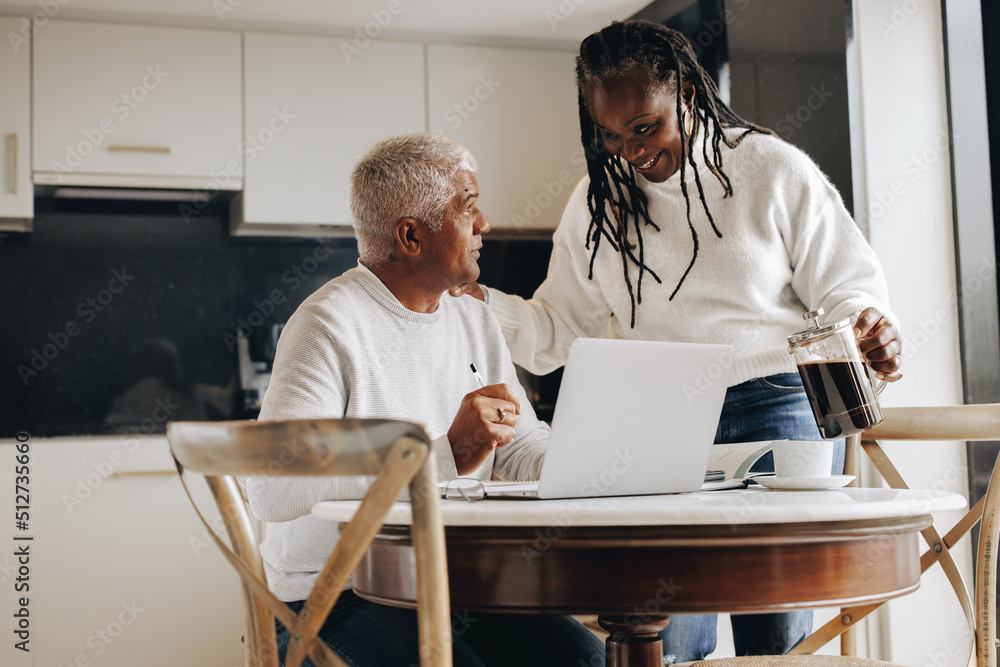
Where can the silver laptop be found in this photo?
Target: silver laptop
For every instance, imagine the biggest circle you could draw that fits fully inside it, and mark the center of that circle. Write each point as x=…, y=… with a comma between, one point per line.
x=632, y=417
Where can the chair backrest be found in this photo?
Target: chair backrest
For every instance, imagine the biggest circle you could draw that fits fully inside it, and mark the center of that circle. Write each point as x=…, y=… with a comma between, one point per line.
x=397, y=453
x=961, y=422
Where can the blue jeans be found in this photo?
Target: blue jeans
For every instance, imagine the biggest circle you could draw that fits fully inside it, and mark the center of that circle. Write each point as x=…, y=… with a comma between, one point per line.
x=365, y=634
x=769, y=408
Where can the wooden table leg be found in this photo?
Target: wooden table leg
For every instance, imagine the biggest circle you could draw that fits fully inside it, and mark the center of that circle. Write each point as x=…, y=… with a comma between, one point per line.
x=634, y=643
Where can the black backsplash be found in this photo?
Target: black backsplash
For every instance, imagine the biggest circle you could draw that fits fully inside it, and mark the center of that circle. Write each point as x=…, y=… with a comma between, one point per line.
x=120, y=315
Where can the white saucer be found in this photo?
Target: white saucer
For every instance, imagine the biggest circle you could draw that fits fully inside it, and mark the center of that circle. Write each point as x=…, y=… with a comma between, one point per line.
x=804, y=483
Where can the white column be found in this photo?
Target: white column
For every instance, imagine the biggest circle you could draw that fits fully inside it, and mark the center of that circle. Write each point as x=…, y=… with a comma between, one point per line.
x=908, y=211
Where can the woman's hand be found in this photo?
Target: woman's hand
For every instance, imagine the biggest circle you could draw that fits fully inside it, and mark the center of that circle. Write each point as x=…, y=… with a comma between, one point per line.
x=471, y=288
x=879, y=341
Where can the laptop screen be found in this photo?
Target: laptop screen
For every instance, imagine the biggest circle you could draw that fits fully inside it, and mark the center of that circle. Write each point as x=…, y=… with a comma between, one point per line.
x=635, y=417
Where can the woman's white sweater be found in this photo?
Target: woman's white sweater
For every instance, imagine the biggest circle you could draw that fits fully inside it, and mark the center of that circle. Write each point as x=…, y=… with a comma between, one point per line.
x=788, y=246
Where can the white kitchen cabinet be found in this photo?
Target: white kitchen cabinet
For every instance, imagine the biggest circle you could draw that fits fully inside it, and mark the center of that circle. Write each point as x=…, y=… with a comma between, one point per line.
x=137, y=106
x=16, y=192
x=311, y=112
x=516, y=110
x=122, y=572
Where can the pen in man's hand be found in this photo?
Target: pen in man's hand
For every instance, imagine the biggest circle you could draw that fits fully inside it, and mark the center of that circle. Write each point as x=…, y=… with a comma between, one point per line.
x=482, y=383
x=479, y=378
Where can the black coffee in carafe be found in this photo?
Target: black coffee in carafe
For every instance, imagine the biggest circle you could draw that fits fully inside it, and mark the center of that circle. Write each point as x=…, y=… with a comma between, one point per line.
x=842, y=398
x=835, y=377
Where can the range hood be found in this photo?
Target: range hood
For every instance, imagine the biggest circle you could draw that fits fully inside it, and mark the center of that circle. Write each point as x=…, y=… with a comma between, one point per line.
x=239, y=226
x=130, y=194
x=137, y=181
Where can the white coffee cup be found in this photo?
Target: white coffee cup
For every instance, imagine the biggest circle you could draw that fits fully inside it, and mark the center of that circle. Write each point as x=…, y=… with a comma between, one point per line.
x=803, y=458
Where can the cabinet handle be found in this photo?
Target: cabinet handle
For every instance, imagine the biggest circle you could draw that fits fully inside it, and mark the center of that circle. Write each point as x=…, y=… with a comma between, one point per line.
x=12, y=141
x=136, y=473
x=139, y=149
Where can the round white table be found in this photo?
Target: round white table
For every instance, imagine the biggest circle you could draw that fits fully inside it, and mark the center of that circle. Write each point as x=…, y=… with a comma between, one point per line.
x=636, y=559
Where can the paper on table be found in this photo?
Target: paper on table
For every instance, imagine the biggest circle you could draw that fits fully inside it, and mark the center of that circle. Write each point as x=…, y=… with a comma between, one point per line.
x=737, y=459
x=494, y=485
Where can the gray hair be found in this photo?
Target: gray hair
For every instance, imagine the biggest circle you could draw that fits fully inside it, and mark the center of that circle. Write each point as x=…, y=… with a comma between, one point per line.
x=403, y=177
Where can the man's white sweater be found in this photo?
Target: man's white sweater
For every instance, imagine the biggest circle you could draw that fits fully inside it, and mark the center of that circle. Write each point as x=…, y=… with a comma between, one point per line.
x=352, y=350
x=788, y=246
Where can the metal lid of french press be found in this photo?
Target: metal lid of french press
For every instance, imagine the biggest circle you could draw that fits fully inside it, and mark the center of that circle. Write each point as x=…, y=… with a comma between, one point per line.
x=816, y=330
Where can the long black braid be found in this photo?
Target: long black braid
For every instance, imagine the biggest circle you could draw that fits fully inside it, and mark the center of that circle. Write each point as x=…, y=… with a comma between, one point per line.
x=666, y=57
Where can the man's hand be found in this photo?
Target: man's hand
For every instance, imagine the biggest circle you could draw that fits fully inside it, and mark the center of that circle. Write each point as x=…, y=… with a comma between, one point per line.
x=478, y=428
x=880, y=344
x=471, y=288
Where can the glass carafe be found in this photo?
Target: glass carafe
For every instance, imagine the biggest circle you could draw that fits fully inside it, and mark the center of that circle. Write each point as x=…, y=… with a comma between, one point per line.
x=840, y=390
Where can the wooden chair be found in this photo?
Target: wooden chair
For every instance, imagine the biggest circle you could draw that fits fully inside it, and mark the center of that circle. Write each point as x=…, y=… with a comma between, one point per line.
x=963, y=422
x=397, y=453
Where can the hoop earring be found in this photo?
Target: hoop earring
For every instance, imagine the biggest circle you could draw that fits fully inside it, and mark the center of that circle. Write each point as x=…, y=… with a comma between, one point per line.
x=687, y=118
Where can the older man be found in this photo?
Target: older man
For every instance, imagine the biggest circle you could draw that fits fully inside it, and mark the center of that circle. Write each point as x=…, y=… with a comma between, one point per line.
x=379, y=341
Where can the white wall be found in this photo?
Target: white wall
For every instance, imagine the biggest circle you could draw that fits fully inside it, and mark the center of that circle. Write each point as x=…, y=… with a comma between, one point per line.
x=906, y=174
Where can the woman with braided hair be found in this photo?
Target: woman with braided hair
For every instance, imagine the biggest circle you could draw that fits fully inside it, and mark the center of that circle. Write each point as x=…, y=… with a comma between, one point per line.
x=694, y=225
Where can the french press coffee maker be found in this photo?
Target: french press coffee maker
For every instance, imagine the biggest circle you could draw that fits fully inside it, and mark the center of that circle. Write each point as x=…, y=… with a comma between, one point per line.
x=840, y=390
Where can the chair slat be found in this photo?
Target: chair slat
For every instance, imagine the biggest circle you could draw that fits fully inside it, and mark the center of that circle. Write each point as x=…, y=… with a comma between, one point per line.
x=292, y=448
x=952, y=422
x=433, y=600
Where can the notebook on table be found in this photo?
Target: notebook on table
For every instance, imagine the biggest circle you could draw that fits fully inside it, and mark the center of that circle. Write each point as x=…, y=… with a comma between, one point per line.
x=631, y=418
